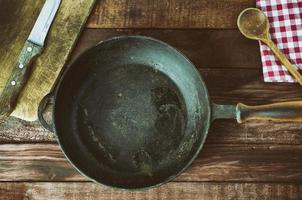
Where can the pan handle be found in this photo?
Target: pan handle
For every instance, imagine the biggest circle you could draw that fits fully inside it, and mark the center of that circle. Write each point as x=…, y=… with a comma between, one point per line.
x=47, y=100
x=279, y=112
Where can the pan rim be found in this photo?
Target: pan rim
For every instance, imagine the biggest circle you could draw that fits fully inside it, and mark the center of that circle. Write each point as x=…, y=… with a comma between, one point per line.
x=206, y=121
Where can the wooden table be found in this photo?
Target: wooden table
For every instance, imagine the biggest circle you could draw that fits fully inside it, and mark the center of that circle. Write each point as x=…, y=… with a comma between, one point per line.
x=257, y=160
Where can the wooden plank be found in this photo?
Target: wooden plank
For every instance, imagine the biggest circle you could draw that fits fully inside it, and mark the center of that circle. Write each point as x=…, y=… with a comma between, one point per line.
x=246, y=86
x=227, y=163
x=205, y=48
x=40, y=162
x=246, y=163
x=229, y=132
x=168, y=13
x=176, y=191
x=16, y=130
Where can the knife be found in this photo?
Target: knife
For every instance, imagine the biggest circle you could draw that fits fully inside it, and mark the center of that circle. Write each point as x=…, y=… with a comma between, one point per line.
x=32, y=48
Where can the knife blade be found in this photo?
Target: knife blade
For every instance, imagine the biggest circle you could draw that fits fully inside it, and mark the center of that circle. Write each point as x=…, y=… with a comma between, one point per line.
x=33, y=47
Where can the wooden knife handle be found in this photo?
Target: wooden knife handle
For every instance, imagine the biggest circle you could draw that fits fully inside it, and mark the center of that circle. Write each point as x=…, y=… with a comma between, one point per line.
x=18, y=78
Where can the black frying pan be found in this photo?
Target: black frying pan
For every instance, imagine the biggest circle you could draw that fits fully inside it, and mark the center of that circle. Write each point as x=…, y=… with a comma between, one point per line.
x=133, y=112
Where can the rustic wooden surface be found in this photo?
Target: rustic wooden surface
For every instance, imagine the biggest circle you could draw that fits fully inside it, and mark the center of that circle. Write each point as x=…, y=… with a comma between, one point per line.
x=175, y=191
x=257, y=160
x=167, y=13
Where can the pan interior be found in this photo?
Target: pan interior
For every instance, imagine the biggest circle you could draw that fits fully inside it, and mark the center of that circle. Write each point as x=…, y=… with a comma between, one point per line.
x=137, y=123
x=130, y=121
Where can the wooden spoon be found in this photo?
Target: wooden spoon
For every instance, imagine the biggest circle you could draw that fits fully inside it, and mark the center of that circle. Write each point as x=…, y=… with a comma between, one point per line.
x=254, y=25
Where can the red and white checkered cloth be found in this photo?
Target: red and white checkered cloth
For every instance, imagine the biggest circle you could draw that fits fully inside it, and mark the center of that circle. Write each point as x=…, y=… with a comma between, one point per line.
x=285, y=17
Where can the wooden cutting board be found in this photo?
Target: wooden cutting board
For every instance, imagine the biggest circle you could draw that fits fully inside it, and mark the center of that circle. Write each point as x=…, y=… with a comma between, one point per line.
x=16, y=21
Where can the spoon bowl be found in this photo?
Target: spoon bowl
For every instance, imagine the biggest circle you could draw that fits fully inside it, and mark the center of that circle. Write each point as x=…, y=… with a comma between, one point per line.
x=253, y=24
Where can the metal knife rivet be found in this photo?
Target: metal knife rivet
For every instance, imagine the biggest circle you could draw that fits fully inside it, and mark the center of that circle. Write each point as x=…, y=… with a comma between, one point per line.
x=21, y=66
x=13, y=82
x=29, y=49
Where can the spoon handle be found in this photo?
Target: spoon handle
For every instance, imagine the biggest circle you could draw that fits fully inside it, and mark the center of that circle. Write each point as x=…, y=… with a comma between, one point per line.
x=289, y=66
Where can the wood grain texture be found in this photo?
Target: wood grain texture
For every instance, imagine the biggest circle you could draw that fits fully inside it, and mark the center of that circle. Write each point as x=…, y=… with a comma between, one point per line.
x=205, y=48
x=168, y=13
x=18, y=131
x=62, y=36
x=40, y=162
x=227, y=163
x=175, y=191
x=229, y=132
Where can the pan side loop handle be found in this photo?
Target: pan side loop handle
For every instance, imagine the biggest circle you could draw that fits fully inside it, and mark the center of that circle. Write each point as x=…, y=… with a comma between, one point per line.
x=47, y=100
x=279, y=112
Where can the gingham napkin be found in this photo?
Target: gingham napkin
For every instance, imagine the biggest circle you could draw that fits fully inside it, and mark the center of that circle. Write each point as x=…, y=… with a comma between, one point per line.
x=285, y=17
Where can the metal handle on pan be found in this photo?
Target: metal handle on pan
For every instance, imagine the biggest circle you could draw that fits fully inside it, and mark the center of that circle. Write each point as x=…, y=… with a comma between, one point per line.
x=47, y=100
